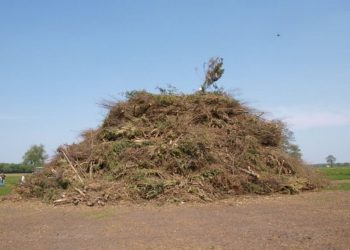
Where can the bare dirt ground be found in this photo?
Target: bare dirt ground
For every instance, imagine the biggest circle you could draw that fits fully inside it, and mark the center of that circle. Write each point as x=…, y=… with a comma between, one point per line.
x=319, y=220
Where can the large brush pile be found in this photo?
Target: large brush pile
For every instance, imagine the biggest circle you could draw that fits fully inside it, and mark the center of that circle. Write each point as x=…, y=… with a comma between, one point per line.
x=173, y=147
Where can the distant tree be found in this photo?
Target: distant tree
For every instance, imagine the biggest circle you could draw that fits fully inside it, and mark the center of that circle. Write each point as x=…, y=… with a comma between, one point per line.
x=288, y=144
x=295, y=151
x=214, y=72
x=35, y=156
x=330, y=160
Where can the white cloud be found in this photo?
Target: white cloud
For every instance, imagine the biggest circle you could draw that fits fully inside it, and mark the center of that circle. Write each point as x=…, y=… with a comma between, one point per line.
x=310, y=117
x=317, y=120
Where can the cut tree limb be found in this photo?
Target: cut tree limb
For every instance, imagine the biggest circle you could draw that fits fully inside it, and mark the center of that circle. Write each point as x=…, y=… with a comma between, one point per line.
x=90, y=170
x=61, y=201
x=71, y=165
x=250, y=172
x=80, y=192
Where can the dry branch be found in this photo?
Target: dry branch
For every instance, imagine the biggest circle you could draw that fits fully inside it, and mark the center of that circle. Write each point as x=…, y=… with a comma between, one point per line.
x=79, y=191
x=71, y=165
x=61, y=201
x=250, y=172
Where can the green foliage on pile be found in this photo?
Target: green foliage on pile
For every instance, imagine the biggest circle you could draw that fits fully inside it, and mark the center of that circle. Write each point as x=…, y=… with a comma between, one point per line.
x=175, y=147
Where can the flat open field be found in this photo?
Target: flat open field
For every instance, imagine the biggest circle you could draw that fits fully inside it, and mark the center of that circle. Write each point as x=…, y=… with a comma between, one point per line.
x=314, y=220
x=11, y=181
x=339, y=176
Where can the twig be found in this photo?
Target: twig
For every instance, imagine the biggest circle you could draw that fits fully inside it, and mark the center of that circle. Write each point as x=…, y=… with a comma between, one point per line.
x=250, y=172
x=281, y=166
x=61, y=201
x=260, y=114
x=233, y=166
x=79, y=191
x=90, y=170
x=70, y=163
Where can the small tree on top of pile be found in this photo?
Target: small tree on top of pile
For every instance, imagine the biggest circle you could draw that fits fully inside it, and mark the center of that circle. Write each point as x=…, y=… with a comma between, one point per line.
x=213, y=73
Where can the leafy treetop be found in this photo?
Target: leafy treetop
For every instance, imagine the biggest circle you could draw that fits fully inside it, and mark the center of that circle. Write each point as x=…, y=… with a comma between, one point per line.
x=330, y=159
x=35, y=156
x=213, y=73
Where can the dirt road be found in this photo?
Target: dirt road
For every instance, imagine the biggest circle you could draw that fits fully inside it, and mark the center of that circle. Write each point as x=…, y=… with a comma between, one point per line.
x=308, y=221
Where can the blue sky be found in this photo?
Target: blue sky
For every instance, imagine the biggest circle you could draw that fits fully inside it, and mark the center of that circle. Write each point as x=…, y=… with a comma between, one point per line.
x=59, y=59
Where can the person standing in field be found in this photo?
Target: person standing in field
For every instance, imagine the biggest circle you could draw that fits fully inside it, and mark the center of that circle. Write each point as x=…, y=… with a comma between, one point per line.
x=2, y=178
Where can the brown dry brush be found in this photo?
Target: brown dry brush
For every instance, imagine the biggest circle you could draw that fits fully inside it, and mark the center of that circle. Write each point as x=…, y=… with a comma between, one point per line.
x=173, y=147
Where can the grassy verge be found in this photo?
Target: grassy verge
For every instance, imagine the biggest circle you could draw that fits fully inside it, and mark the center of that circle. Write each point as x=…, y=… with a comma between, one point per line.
x=336, y=174
x=340, y=186
x=11, y=181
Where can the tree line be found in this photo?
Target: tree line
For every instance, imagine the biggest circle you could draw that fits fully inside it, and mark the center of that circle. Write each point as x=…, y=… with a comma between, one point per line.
x=323, y=165
x=15, y=168
x=32, y=160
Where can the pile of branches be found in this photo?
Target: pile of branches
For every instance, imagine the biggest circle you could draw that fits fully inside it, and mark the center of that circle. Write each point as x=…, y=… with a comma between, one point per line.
x=173, y=147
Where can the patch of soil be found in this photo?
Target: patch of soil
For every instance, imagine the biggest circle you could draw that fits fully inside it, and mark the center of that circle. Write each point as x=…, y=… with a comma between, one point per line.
x=313, y=220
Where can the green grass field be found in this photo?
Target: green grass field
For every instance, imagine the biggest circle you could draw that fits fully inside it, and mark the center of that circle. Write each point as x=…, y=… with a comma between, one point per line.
x=11, y=181
x=340, y=186
x=337, y=174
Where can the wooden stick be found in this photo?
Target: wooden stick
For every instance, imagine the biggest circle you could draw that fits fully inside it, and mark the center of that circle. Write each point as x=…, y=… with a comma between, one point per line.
x=280, y=170
x=70, y=163
x=60, y=201
x=250, y=172
x=90, y=170
x=79, y=191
